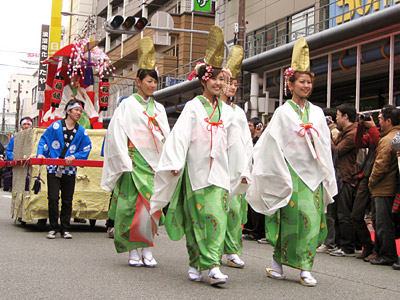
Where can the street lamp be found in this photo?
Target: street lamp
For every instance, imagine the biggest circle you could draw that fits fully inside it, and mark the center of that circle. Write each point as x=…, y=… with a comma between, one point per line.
x=71, y=14
x=90, y=22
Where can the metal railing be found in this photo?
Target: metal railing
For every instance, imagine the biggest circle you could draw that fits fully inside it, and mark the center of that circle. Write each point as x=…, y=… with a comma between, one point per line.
x=312, y=20
x=177, y=75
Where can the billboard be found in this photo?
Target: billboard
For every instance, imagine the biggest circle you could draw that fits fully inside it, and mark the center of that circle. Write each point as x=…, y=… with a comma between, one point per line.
x=341, y=11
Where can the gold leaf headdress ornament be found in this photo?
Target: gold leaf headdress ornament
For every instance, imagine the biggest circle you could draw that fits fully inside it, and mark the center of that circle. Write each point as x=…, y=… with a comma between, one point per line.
x=300, y=60
x=214, y=53
x=146, y=54
x=234, y=60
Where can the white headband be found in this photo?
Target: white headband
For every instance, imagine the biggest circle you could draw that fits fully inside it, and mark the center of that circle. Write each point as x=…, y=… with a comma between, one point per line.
x=75, y=105
x=26, y=121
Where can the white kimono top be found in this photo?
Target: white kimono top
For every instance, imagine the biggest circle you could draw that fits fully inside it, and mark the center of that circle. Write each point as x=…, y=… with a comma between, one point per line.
x=245, y=134
x=130, y=121
x=190, y=142
x=285, y=140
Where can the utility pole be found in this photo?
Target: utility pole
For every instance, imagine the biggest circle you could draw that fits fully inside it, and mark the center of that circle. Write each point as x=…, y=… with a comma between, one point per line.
x=3, y=126
x=17, y=108
x=241, y=40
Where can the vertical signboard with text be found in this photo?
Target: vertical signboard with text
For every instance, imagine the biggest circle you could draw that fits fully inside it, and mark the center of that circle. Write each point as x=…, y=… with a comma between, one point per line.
x=201, y=5
x=55, y=27
x=42, y=76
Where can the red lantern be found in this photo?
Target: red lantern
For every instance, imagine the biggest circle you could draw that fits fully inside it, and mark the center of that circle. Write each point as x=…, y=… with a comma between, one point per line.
x=57, y=90
x=104, y=94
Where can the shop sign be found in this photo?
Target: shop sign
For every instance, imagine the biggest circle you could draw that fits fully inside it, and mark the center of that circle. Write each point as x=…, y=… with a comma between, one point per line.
x=201, y=5
x=341, y=11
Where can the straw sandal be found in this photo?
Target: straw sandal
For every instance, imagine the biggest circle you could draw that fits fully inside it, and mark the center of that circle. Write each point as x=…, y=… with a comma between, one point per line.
x=270, y=273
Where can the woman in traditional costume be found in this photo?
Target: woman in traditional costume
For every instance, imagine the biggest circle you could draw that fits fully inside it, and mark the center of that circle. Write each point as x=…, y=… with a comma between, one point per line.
x=201, y=163
x=237, y=215
x=293, y=174
x=132, y=150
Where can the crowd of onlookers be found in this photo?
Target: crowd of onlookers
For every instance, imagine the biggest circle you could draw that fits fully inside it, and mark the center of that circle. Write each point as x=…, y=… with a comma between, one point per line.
x=367, y=174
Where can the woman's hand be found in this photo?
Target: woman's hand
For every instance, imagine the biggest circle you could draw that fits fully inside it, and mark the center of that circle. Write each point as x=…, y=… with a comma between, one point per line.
x=174, y=172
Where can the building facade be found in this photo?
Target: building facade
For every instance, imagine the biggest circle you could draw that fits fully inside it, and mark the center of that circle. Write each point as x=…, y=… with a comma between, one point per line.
x=25, y=84
x=354, y=50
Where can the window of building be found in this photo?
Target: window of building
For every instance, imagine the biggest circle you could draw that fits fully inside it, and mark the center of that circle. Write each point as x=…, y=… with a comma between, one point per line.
x=268, y=37
x=15, y=91
x=22, y=81
x=14, y=80
x=302, y=24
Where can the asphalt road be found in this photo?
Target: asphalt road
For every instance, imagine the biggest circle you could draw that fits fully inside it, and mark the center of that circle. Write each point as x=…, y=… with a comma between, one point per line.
x=88, y=267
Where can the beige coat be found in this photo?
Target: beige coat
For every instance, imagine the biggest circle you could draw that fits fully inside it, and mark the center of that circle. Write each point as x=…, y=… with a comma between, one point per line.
x=382, y=181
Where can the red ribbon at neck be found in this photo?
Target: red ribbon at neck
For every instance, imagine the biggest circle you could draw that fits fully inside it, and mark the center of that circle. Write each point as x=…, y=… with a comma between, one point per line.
x=209, y=127
x=150, y=125
x=305, y=127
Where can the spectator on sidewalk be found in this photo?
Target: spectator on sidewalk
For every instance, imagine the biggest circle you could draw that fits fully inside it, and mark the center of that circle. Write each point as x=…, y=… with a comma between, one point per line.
x=346, y=163
x=254, y=229
x=362, y=199
x=382, y=184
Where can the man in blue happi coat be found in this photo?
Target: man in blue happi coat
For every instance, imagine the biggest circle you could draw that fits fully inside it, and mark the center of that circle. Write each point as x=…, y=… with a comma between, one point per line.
x=64, y=139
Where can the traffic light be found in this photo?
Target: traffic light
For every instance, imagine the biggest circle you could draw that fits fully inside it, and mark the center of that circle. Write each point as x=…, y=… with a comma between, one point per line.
x=125, y=25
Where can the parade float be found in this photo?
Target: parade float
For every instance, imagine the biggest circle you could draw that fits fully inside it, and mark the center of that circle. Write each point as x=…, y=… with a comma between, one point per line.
x=29, y=188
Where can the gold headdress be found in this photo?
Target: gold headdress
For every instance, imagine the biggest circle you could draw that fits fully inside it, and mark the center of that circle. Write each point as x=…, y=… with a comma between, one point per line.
x=301, y=56
x=300, y=60
x=215, y=47
x=214, y=53
x=146, y=54
x=234, y=61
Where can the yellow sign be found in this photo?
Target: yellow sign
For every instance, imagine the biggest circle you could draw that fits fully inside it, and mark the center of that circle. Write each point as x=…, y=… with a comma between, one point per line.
x=55, y=27
x=356, y=8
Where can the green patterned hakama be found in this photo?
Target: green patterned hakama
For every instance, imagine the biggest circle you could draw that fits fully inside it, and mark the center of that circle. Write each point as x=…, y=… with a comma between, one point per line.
x=201, y=215
x=123, y=203
x=296, y=229
x=237, y=216
x=129, y=185
x=205, y=216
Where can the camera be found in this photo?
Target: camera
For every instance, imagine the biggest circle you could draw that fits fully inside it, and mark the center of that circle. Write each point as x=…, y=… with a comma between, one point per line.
x=365, y=116
x=328, y=120
x=258, y=126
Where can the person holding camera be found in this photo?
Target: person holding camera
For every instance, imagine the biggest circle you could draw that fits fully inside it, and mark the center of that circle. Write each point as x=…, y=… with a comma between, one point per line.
x=346, y=163
x=330, y=117
x=362, y=198
x=256, y=129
